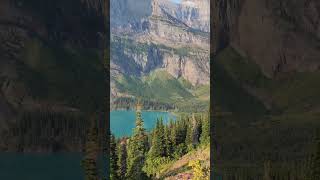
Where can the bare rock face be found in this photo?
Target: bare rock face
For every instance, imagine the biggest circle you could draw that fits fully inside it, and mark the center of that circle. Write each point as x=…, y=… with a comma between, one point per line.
x=22, y=109
x=196, y=71
x=280, y=36
x=173, y=37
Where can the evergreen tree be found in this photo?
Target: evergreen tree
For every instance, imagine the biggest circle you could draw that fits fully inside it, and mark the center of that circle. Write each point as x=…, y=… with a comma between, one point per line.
x=196, y=130
x=89, y=163
x=189, y=136
x=173, y=134
x=113, y=159
x=137, y=147
x=267, y=170
x=181, y=131
x=158, y=142
x=315, y=174
x=205, y=130
x=122, y=159
x=168, y=142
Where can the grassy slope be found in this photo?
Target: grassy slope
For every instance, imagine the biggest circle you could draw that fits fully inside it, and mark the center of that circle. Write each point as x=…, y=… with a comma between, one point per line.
x=71, y=76
x=302, y=86
x=287, y=129
x=162, y=87
x=180, y=166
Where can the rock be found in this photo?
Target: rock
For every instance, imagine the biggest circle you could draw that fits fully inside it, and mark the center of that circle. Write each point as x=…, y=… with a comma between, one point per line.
x=173, y=37
x=280, y=36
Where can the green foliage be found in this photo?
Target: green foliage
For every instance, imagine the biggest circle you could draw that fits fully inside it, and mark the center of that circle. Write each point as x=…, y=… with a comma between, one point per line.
x=232, y=72
x=315, y=171
x=137, y=148
x=205, y=129
x=158, y=148
x=169, y=148
x=146, y=158
x=158, y=86
x=113, y=159
x=199, y=172
x=154, y=165
x=122, y=160
x=189, y=135
x=180, y=150
x=89, y=163
x=228, y=89
x=64, y=75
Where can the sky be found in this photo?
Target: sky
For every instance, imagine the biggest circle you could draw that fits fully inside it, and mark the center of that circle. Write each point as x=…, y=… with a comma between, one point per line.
x=176, y=1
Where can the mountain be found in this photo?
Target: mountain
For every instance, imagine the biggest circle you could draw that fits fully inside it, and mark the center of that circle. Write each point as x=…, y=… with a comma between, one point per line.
x=50, y=58
x=280, y=41
x=265, y=69
x=159, y=36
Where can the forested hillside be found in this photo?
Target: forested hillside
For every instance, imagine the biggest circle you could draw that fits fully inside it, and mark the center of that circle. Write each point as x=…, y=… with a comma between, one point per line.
x=168, y=151
x=265, y=69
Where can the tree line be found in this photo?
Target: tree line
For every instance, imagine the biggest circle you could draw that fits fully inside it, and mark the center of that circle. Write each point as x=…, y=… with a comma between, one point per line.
x=142, y=156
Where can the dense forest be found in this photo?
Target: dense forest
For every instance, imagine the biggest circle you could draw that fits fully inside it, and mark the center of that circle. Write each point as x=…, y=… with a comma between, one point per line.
x=129, y=103
x=145, y=154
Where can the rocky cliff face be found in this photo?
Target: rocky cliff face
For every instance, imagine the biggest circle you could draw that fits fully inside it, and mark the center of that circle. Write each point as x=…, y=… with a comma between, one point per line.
x=171, y=37
x=194, y=13
x=280, y=36
x=40, y=44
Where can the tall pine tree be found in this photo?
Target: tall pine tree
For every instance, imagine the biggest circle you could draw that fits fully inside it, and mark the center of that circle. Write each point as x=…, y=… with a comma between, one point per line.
x=158, y=142
x=315, y=172
x=89, y=163
x=122, y=158
x=205, y=129
x=137, y=147
x=113, y=159
x=168, y=142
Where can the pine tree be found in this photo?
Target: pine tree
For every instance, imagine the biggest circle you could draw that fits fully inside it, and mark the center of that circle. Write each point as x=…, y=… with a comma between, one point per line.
x=168, y=142
x=189, y=136
x=267, y=170
x=173, y=134
x=122, y=159
x=158, y=142
x=89, y=163
x=315, y=173
x=205, y=130
x=196, y=131
x=113, y=159
x=181, y=131
x=137, y=147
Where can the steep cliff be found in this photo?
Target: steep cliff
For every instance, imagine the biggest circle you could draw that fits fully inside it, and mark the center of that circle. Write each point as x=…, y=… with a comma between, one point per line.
x=50, y=53
x=173, y=38
x=266, y=69
x=280, y=36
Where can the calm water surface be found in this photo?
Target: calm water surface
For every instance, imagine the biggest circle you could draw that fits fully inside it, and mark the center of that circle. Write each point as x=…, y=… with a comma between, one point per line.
x=122, y=122
x=18, y=166
x=66, y=166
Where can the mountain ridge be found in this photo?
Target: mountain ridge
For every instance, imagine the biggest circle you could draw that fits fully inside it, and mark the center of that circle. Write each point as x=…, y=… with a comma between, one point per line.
x=159, y=40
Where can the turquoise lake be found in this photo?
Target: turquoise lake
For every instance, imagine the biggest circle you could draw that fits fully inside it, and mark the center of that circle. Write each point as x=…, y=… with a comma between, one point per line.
x=18, y=166
x=123, y=122
x=66, y=166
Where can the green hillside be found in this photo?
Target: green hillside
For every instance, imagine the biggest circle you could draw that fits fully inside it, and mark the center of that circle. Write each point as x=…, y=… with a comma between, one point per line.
x=230, y=66
x=272, y=119
x=181, y=167
x=162, y=87
x=65, y=75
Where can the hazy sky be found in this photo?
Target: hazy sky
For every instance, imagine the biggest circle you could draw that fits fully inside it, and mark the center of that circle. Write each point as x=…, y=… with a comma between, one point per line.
x=176, y=1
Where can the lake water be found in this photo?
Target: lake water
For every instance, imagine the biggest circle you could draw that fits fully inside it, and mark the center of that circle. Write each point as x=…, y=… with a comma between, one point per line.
x=18, y=166
x=122, y=122
x=66, y=166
